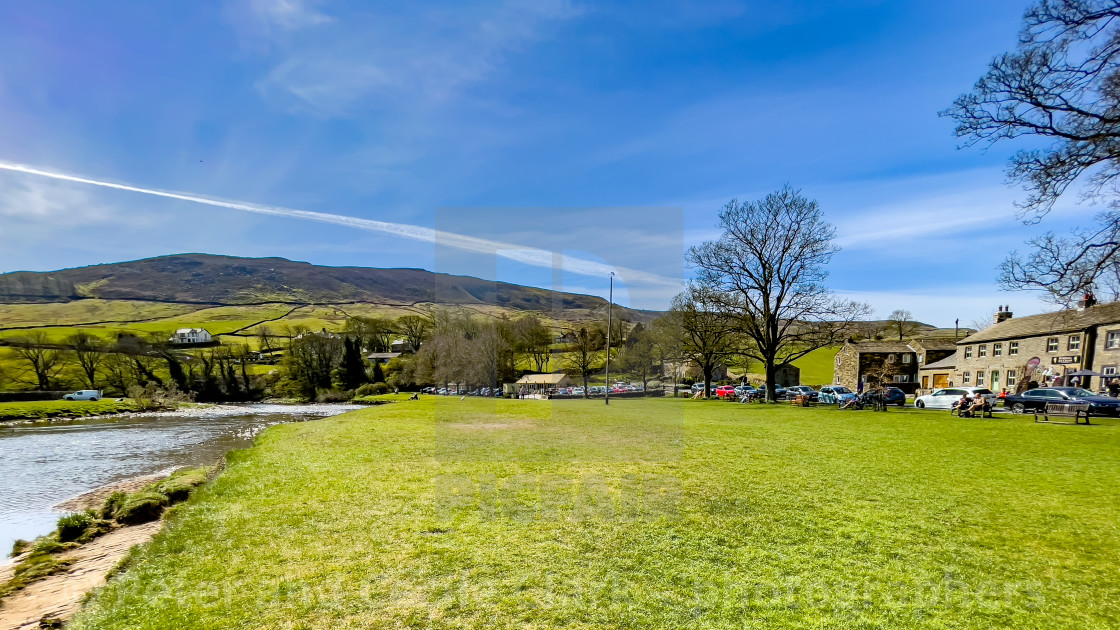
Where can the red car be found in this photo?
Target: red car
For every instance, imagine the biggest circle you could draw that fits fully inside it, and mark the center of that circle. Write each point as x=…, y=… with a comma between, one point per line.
x=725, y=390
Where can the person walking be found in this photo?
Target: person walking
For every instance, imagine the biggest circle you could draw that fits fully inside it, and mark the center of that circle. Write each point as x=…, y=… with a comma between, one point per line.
x=1114, y=388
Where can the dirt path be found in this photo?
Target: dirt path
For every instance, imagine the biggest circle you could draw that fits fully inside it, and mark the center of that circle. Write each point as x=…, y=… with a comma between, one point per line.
x=59, y=596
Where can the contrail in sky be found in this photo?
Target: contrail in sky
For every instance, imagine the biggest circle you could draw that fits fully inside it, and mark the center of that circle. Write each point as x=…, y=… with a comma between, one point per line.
x=519, y=253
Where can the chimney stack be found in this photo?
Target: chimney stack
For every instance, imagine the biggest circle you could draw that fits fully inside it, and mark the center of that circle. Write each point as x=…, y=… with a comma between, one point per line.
x=1087, y=300
x=1003, y=313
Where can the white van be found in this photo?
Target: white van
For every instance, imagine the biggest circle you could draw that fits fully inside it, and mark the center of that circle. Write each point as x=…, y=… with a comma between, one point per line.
x=84, y=394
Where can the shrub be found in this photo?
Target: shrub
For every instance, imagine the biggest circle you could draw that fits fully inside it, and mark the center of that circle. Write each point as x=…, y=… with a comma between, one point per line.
x=178, y=486
x=141, y=507
x=19, y=546
x=112, y=504
x=79, y=527
x=334, y=396
x=373, y=389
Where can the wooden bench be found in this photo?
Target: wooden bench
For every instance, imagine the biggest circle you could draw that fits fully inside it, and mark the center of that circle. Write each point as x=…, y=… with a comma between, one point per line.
x=1077, y=411
x=801, y=400
x=985, y=412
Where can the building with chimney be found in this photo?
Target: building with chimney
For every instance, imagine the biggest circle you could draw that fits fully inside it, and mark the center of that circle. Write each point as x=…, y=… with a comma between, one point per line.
x=1043, y=349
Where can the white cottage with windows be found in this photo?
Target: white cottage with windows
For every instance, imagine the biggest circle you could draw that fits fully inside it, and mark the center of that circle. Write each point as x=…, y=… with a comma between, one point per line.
x=191, y=335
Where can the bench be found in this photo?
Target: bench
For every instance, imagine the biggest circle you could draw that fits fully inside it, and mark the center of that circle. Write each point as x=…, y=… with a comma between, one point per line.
x=1077, y=411
x=986, y=412
x=801, y=400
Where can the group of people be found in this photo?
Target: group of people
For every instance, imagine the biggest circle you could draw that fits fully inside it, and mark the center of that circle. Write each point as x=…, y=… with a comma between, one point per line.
x=968, y=407
x=874, y=398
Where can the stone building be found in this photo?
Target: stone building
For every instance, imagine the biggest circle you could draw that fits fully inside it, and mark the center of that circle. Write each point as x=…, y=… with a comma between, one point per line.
x=1042, y=348
x=865, y=361
x=937, y=374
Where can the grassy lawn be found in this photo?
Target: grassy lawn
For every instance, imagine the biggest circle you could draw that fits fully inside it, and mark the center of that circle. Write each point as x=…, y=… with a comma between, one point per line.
x=61, y=408
x=653, y=513
x=818, y=366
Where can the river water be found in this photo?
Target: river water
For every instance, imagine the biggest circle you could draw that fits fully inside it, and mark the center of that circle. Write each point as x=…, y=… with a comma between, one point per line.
x=44, y=464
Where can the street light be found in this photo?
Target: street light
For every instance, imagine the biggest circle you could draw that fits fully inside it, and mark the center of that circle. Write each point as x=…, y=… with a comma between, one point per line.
x=610, y=300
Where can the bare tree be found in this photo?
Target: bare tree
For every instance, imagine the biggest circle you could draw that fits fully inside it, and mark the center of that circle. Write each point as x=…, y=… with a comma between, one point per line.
x=767, y=272
x=639, y=354
x=585, y=355
x=533, y=340
x=1061, y=84
x=902, y=322
x=705, y=335
x=89, y=353
x=415, y=329
x=42, y=358
x=311, y=359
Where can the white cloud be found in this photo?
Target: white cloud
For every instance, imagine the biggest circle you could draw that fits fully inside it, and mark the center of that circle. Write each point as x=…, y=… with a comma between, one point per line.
x=47, y=203
x=944, y=305
x=418, y=60
x=518, y=253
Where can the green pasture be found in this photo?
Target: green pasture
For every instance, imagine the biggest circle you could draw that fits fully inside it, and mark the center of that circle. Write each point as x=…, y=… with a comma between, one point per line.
x=648, y=513
x=42, y=409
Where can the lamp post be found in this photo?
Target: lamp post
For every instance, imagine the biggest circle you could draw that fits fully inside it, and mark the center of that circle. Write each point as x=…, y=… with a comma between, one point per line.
x=610, y=301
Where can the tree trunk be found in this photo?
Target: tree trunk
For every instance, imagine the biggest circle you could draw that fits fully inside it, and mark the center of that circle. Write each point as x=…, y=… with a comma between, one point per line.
x=771, y=386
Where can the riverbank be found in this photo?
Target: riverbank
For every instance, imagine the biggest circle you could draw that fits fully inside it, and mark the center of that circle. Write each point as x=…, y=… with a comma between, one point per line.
x=59, y=409
x=134, y=509
x=648, y=513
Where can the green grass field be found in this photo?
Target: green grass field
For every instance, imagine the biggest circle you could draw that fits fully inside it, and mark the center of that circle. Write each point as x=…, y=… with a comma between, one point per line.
x=817, y=367
x=61, y=409
x=649, y=513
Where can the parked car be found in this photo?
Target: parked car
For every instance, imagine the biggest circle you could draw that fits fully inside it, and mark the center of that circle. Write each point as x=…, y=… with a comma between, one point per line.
x=1035, y=400
x=895, y=396
x=723, y=391
x=802, y=390
x=946, y=397
x=577, y=391
x=697, y=387
x=83, y=394
x=835, y=394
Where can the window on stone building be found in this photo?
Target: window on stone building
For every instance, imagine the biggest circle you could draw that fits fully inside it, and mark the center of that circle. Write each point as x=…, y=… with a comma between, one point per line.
x=979, y=379
x=1074, y=343
x=981, y=350
x=1052, y=344
x=966, y=378
x=1012, y=348
x=905, y=358
x=1112, y=340
x=1011, y=376
x=968, y=352
x=997, y=349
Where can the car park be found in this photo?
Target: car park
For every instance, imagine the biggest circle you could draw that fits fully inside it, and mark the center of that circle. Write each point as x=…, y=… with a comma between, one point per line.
x=1035, y=400
x=802, y=390
x=894, y=396
x=724, y=391
x=946, y=397
x=835, y=394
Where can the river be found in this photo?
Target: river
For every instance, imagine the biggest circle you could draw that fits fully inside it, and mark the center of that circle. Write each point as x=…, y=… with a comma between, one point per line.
x=44, y=464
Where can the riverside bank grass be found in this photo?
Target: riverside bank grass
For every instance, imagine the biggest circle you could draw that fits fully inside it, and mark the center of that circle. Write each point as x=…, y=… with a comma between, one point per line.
x=655, y=513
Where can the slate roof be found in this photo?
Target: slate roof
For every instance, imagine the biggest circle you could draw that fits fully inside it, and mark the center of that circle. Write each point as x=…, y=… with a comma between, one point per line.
x=1048, y=323
x=541, y=379
x=877, y=347
x=935, y=344
x=947, y=363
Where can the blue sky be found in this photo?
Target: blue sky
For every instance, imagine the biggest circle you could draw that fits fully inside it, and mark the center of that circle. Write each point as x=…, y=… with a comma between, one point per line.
x=611, y=132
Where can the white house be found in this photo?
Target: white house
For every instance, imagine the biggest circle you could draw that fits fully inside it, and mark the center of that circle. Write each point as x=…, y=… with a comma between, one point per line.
x=191, y=335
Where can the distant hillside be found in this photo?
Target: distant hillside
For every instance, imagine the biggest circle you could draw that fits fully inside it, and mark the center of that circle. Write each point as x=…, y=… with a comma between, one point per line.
x=228, y=280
